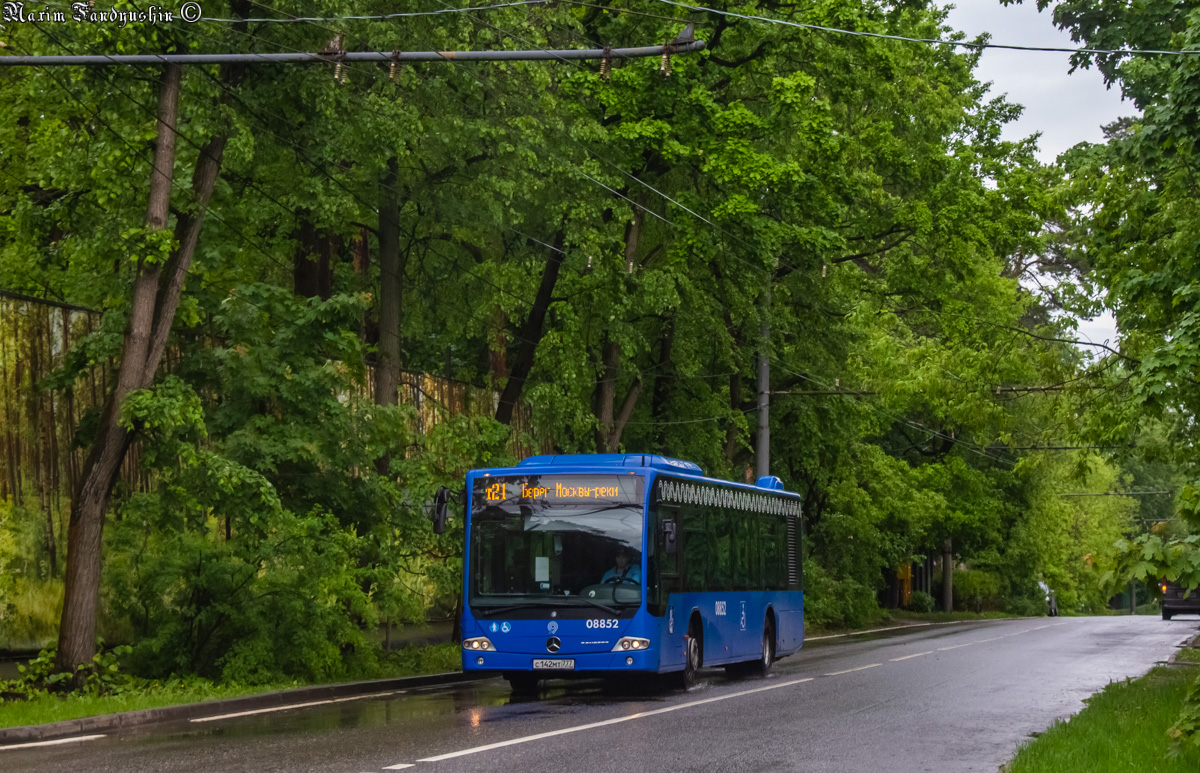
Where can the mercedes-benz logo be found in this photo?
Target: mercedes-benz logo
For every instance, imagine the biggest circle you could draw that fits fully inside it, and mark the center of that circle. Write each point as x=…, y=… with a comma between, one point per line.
x=553, y=644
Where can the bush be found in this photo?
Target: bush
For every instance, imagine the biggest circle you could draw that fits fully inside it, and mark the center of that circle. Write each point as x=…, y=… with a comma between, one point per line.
x=102, y=676
x=833, y=603
x=971, y=584
x=920, y=601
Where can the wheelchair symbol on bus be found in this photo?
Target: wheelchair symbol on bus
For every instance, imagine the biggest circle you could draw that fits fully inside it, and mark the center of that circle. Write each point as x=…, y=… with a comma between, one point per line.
x=506, y=627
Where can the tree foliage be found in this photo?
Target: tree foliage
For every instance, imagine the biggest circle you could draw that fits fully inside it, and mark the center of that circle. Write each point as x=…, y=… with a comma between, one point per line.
x=599, y=246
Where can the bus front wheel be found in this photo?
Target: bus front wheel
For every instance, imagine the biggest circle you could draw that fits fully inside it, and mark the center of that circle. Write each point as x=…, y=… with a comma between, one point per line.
x=691, y=659
x=522, y=683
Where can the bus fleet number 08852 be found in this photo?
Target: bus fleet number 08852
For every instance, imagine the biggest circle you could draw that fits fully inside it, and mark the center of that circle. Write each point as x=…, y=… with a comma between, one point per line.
x=602, y=623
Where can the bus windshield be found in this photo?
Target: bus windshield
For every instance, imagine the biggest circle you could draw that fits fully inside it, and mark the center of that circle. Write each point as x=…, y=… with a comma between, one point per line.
x=560, y=540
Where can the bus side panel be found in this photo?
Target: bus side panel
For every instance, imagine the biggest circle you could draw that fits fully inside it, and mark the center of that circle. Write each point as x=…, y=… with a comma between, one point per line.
x=732, y=625
x=789, y=614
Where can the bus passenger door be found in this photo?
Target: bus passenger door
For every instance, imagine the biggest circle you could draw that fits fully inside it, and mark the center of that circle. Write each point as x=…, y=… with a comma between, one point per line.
x=663, y=566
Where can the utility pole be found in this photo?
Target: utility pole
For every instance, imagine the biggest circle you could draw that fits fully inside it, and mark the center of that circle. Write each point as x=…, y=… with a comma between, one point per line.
x=763, y=447
x=948, y=577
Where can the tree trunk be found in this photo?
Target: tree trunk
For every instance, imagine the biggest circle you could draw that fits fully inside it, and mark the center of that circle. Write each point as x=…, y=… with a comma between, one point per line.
x=531, y=333
x=663, y=380
x=156, y=294
x=391, y=268
x=305, y=270
x=387, y=367
x=609, y=423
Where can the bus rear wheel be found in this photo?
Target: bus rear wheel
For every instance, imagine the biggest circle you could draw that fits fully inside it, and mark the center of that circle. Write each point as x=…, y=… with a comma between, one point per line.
x=762, y=666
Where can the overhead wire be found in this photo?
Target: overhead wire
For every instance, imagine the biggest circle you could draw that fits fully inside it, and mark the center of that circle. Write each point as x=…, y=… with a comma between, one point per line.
x=936, y=41
x=379, y=17
x=973, y=447
x=283, y=207
x=620, y=169
x=584, y=173
x=274, y=200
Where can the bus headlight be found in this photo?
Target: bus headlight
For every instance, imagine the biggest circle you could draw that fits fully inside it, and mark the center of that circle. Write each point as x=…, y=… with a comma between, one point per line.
x=478, y=643
x=631, y=643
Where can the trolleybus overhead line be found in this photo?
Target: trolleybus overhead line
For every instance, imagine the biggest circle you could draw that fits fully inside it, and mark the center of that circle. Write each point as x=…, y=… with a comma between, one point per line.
x=339, y=56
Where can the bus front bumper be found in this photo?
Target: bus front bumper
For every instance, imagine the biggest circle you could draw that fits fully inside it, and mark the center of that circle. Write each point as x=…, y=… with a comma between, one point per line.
x=562, y=664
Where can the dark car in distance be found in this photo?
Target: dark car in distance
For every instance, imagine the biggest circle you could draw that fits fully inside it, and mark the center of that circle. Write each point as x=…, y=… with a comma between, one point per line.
x=1174, y=603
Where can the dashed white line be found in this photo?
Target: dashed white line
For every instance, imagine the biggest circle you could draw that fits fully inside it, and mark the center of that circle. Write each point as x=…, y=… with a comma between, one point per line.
x=289, y=708
x=956, y=646
x=906, y=657
x=852, y=670
x=56, y=742
x=644, y=714
x=618, y=720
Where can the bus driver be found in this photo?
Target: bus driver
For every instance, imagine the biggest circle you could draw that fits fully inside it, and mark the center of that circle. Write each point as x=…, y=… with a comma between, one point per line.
x=623, y=571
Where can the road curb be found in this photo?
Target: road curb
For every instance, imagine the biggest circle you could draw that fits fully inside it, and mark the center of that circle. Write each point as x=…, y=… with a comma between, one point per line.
x=105, y=723
x=915, y=625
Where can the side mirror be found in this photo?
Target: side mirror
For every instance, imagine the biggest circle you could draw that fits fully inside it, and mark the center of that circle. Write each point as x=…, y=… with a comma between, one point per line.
x=668, y=532
x=441, y=509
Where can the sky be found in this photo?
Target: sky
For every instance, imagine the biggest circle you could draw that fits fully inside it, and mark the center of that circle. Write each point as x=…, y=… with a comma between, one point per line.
x=1065, y=108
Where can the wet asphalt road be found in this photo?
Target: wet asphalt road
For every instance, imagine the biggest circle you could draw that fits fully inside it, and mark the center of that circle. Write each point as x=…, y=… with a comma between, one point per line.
x=946, y=698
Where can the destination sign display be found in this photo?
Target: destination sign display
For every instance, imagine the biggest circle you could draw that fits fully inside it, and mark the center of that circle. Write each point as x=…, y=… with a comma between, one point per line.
x=544, y=490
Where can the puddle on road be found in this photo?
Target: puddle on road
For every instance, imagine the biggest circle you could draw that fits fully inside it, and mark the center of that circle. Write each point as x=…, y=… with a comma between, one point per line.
x=464, y=707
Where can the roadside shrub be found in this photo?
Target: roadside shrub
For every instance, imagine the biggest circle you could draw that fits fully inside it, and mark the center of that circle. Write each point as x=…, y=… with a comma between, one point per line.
x=102, y=676
x=970, y=584
x=1025, y=606
x=834, y=603
x=920, y=601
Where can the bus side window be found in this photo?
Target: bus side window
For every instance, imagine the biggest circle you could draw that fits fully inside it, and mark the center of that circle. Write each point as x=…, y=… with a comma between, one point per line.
x=720, y=540
x=695, y=546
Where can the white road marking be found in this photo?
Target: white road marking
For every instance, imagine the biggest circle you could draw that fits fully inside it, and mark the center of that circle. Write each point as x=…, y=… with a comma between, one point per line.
x=1040, y=627
x=401, y=766
x=618, y=720
x=852, y=670
x=956, y=646
x=914, y=625
x=881, y=630
x=906, y=657
x=289, y=708
x=56, y=742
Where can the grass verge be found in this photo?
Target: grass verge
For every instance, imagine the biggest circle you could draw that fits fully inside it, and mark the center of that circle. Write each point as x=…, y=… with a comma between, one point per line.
x=1188, y=655
x=54, y=708
x=1123, y=728
x=410, y=661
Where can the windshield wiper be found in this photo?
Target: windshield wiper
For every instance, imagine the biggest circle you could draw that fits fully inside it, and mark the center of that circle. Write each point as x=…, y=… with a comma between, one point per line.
x=489, y=611
x=558, y=601
x=611, y=610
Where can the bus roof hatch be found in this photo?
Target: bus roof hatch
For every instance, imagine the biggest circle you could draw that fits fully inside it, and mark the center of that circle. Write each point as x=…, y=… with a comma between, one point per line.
x=612, y=460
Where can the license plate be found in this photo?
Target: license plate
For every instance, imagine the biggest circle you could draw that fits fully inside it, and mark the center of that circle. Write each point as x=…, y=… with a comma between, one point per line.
x=561, y=665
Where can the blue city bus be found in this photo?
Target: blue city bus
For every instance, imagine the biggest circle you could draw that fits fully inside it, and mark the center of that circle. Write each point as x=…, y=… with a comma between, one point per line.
x=627, y=564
